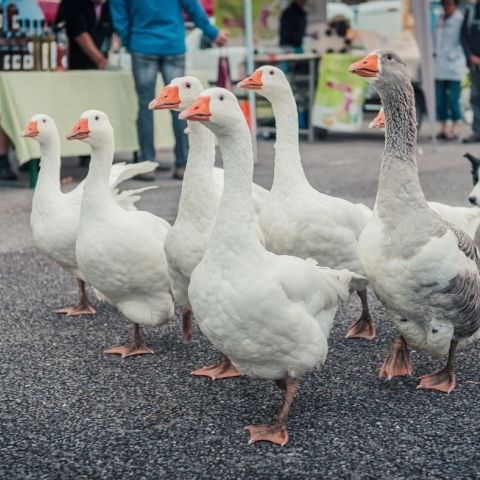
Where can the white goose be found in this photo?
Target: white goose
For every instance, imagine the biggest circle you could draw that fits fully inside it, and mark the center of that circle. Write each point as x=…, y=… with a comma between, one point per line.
x=121, y=253
x=467, y=219
x=421, y=267
x=297, y=219
x=56, y=214
x=202, y=187
x=270, y=314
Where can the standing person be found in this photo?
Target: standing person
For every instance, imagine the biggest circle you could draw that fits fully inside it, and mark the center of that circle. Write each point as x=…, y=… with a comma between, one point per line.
x=470, y=37
x=153, y=32
x=450, y=69
x=293, y=24
x=89, y=30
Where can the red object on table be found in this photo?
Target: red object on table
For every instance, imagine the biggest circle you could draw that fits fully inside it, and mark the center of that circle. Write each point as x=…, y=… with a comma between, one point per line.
x=224, y=78
x=209, y=6
x=49, y=9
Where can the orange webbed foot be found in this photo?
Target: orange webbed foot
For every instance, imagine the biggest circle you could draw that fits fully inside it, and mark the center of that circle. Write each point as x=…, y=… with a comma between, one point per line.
x=442, y=381
x=398, y=363
x=364, y=328
x=76, y=311
x=217, y=372
x=128, y=351
x=276, y=434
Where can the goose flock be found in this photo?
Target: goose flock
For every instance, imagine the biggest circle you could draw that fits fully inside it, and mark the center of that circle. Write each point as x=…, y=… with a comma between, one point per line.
x=262, y=272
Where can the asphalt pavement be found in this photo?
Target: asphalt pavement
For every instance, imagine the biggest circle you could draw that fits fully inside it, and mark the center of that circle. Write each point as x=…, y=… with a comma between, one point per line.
x=69, y=412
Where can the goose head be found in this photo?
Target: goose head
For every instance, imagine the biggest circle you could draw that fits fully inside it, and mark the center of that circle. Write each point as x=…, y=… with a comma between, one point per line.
x=384, y=67
x=42, y=128
x=93, y=128
x=178, y=95
x=218, y=108
x=268, y=80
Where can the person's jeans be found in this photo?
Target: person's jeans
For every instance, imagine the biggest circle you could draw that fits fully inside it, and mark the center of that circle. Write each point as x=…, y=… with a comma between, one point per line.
x=447, y=93
x=145, y=70
x=475, y=99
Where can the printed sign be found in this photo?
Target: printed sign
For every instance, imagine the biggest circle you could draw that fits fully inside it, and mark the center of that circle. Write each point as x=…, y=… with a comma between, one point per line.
x=339, y=98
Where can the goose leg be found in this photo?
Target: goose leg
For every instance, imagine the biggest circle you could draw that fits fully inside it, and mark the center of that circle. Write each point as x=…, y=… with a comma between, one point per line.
x=276, y=433
x=224, y=369
x=444, y=380
x=398, y=363
x=364, y=327
x=83, y=308
x=187, y=323
x=135, y=345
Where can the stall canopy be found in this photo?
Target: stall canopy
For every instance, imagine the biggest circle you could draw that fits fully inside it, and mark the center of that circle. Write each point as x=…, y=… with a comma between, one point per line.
x=423, y=33
x=421, y=14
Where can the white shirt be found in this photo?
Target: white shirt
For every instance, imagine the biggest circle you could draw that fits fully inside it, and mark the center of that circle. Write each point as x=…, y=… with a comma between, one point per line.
x=450, y=63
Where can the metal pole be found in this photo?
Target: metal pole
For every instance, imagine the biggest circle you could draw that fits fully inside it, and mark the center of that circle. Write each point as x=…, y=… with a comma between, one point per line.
x=248, y=25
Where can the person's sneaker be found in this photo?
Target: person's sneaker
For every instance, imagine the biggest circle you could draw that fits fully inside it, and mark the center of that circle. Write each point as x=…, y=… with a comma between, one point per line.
x=6, y=172
x=178, y=173
x=473, y=138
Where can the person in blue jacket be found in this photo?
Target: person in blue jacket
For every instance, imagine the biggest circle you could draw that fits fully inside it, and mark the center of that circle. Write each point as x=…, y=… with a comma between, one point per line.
x=153, y=32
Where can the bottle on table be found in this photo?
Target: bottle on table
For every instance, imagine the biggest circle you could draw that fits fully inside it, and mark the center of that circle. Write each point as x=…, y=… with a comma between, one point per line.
x=16, y=52
x=13, y=18
x=4, y=52
x=51, y=41
x=37, y=47
x=26, y=43
x=62, y=49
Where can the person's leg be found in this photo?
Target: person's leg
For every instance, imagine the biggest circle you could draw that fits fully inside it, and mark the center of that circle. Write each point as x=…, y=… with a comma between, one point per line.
x=440, y=94
x=475, y=101
x=172, y=67
x=455, y=108
x=145, y=70
x=6, y=172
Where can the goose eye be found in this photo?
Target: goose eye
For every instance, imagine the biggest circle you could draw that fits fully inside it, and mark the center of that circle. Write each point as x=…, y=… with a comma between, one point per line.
x=44, y=120
x=272, y=72
x=389, y=57
x=97, y=117
x=222, y=98
x=188, y=85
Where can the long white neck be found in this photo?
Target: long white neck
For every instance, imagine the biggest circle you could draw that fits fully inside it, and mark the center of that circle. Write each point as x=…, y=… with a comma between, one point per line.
x=49, y=175
x=198, y=192
x=234, y=226
x=288, y=171
x=97, y=188
x=399, y=183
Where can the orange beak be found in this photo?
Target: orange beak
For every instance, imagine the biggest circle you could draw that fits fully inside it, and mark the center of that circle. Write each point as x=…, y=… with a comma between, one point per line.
x=367, y=67
x=169, y=98
x=79, y=131
x=198, y=111
x=253, y=82
x=378, y=121
x=31, y=130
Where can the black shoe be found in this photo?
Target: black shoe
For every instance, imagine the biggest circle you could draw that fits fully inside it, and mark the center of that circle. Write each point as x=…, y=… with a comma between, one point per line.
x=178, y=173
x=473, y=138
x=6, y=172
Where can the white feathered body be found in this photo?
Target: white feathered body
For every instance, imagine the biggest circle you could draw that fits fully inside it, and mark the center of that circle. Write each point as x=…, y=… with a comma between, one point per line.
x=54, y=222
x=408, y=283
x=308, y=224
x=121, y=253
x=55, y=214
x=272, y=321
x=464, y=218
x=201, y=191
